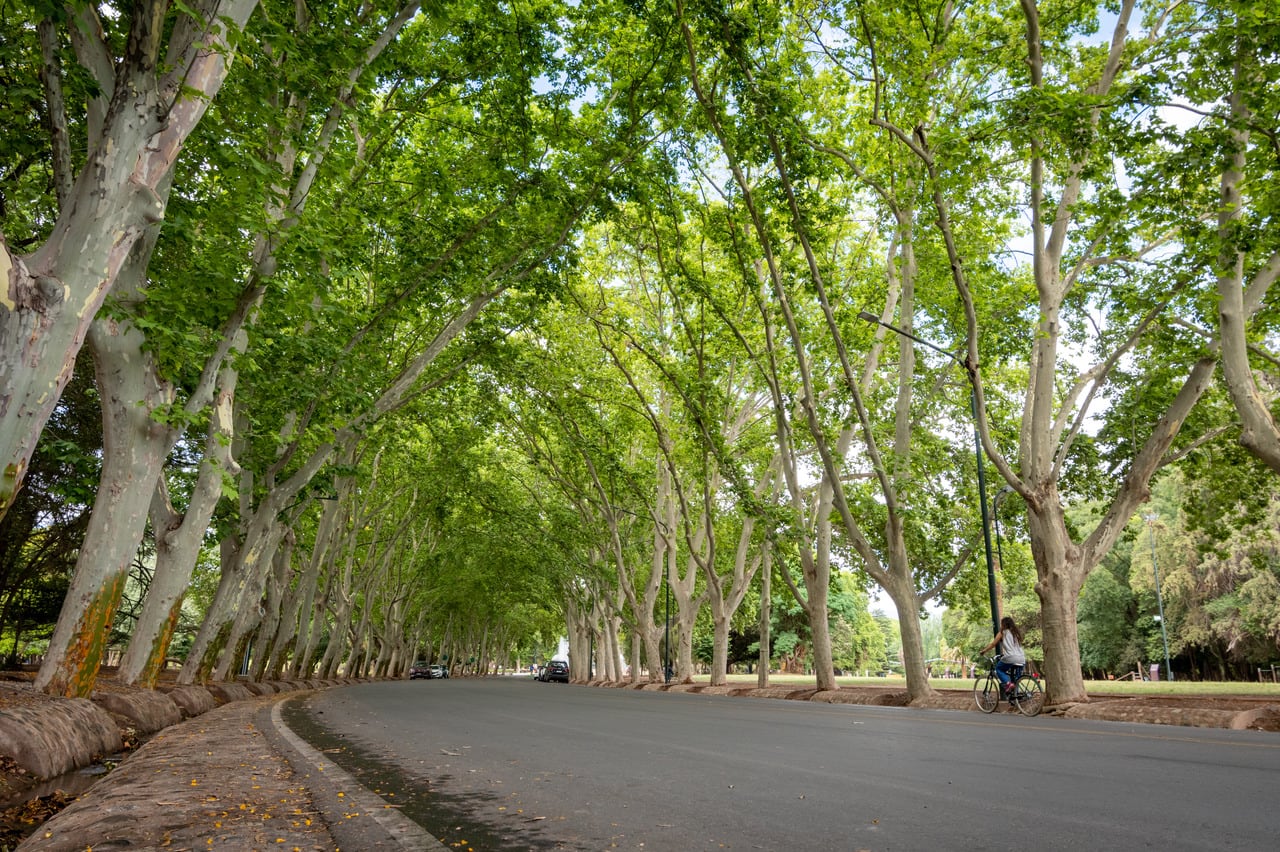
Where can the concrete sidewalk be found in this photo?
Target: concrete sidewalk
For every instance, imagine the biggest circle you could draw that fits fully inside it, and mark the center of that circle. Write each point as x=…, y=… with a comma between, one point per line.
x=234, y=778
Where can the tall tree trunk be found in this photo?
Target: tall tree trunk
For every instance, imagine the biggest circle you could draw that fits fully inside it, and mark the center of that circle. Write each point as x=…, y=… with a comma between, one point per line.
x=1060, y=576
x=304, y=664
x=612, y=642
x=179, y=539
x=766, y=616
x=133, y=453
x=52, y=295
x=234, y=611
x=257, y=557
x=277, y=586
x=336, y=650
x=1238, y=301
x=652, y=634
x=135, y=446
x=297, y=620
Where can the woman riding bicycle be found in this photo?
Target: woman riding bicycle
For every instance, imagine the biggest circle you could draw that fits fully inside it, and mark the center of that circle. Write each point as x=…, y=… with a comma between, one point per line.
x=1012, y=658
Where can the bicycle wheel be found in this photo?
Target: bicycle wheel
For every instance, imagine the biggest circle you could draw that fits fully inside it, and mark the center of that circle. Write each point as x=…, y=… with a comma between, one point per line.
x=1028, y=697
x=986, y=691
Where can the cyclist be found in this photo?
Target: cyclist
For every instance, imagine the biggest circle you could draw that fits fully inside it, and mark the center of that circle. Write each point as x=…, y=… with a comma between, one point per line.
x=1011, y=658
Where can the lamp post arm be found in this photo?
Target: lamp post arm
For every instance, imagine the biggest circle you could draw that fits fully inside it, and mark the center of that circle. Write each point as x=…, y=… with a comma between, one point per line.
x=875, y=320
x=979, y=403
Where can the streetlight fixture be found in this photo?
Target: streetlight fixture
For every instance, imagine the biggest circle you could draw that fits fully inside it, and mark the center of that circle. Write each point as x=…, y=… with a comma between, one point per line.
x=977, y=440
x=1164, y=634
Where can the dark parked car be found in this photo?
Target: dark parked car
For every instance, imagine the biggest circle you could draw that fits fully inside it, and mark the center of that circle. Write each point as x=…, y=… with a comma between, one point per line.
x=555, y=670
x=419, y=669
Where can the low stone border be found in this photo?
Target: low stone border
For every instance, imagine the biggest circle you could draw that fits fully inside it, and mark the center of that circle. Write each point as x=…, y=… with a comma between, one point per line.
x=1138, y=711
x=55, y=737
x=146, y=711
x=192, y=700
x=261, y=687
x=870, y=699
x=942, y=702
x=229, y=691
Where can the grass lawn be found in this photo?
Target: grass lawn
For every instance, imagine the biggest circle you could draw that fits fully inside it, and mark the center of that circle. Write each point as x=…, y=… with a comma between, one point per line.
x=1100, y=687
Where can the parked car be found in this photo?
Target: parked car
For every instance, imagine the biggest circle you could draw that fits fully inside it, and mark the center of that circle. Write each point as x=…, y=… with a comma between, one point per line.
x=437, y=671
x=555, y=670
x=419, y=669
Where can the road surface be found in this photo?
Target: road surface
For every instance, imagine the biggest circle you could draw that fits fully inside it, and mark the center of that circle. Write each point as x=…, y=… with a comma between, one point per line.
x=508, y=763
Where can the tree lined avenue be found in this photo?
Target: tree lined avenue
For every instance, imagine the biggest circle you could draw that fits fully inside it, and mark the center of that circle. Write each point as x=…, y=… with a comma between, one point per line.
x=338, y=338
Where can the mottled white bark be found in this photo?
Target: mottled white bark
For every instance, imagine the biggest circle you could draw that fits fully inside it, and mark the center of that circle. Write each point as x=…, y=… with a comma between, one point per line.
x=179, y=539
x=152, y=100
x=1238, y=302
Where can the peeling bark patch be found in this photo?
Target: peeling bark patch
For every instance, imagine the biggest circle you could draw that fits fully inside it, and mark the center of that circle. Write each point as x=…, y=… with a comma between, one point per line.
x=79, y=668
x=6, y=270
x=160, y=647
x=211, y=654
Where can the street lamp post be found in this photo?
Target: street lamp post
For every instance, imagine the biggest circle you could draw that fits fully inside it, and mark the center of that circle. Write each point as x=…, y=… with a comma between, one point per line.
x=1164, y=634
x=977, y=440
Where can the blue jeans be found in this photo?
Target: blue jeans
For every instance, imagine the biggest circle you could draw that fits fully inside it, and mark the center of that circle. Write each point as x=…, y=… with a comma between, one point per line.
x=1008, y=672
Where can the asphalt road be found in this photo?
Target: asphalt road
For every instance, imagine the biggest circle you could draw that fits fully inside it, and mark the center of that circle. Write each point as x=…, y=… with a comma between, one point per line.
x=507, y=763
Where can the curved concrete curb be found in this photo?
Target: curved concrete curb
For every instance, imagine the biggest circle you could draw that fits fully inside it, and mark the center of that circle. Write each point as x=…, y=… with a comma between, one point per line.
x=334, y=791
x=63, y=734
x=224, y=691
x=147, y=712
x=50, y=739
x=192, y=700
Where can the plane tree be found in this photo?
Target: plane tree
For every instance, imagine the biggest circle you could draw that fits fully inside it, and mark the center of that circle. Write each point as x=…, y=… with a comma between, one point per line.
x=664, y=334
x=1234, y=68
x=165, y=362
x=584, y=443
x=1055, y=109
x=822, y=220
x=146, y=75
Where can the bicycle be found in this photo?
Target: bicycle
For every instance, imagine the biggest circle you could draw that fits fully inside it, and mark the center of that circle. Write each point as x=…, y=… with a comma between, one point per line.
x=1027, y=694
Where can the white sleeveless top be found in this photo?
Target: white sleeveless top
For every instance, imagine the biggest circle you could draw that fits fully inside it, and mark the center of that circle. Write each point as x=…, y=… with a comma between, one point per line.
x=1010, y=651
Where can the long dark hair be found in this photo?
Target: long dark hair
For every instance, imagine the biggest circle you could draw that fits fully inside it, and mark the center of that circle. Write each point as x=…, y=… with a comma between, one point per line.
x=1006, y=623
